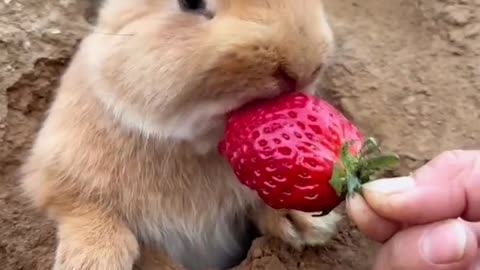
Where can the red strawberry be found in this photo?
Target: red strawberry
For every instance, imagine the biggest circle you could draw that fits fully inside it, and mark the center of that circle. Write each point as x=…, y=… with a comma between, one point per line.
x=299, y=152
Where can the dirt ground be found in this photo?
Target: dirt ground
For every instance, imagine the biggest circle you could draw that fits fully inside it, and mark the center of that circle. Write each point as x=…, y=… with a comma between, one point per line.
x=407, y=71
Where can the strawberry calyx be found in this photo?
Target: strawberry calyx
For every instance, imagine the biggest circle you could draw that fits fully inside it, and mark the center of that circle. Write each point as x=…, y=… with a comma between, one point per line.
x=354, y=170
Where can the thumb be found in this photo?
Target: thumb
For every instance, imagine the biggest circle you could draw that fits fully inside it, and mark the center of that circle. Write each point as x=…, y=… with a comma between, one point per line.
x=447, y=245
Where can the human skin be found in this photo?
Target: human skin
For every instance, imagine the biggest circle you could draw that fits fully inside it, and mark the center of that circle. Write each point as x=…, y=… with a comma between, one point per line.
x=427, y=221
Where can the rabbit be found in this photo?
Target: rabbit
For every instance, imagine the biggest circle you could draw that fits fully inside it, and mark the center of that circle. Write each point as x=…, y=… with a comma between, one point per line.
x=126, y=158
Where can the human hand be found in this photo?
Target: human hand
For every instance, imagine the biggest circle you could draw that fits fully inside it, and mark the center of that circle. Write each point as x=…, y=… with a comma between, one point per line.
x=427, y=222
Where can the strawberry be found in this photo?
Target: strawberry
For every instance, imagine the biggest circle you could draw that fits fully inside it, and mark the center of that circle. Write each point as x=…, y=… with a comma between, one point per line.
x=298, y=152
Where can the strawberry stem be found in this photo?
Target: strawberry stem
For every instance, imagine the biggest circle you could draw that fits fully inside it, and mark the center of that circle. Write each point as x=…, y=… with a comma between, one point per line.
x=351, y=172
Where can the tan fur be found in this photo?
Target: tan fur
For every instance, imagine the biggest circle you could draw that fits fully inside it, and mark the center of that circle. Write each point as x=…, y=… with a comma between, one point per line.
x=126, y=157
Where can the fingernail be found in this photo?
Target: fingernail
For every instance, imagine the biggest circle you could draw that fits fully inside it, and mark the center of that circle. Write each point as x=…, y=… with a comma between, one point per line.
x=445, y=244
x=391, y=185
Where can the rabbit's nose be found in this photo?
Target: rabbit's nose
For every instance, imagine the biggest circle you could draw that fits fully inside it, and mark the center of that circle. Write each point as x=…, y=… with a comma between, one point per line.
x=291, y=82
x=286, y=81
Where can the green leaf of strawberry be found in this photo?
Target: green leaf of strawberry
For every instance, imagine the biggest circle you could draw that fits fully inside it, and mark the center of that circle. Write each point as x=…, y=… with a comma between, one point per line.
x=298, y=152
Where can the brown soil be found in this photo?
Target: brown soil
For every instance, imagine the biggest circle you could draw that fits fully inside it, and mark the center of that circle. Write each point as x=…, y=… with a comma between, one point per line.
x=407, y=72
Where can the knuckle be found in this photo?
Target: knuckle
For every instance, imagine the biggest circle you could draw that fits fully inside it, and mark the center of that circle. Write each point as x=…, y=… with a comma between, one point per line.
x=461, y=160
x=455, y=160
x=450, y=157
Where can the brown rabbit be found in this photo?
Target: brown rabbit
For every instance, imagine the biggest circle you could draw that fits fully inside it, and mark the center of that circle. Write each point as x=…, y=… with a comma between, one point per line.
x=127, y=159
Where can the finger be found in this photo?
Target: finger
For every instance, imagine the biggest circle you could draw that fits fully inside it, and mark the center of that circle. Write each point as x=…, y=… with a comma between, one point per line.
x=447, y=187
x=462, y=170
x=476, y=229
x=476, y=264
x=448, y=245
x=368, y=222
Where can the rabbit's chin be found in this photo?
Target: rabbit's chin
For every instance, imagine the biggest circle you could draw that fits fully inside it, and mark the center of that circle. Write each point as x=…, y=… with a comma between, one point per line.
x=200, y=126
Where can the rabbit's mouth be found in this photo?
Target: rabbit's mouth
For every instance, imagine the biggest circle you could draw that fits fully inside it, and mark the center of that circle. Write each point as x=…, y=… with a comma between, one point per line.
x=286, y=82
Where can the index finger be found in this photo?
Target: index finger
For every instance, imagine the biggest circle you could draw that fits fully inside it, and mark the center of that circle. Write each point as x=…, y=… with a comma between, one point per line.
x=447, y=187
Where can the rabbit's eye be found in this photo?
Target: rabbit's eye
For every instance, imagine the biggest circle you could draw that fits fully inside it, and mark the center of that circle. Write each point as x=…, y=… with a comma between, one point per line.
x=192, y=4
x=197, y=7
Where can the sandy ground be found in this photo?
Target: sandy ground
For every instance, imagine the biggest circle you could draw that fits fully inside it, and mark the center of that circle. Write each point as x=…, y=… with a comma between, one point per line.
x=407, y=71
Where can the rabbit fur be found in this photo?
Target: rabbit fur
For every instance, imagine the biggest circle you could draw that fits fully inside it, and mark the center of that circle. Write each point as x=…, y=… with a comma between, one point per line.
x=126, y=159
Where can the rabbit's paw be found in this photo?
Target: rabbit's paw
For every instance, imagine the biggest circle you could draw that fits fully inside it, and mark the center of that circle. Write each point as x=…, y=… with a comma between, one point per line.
x=299, y=229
